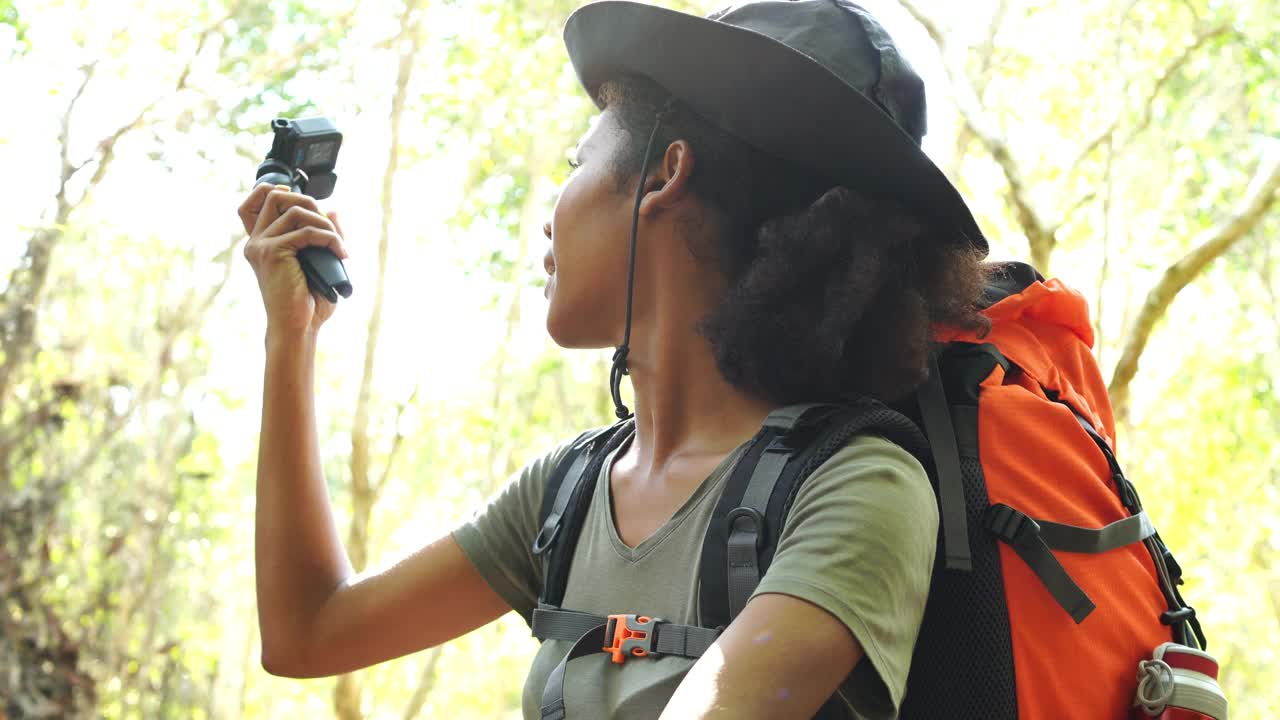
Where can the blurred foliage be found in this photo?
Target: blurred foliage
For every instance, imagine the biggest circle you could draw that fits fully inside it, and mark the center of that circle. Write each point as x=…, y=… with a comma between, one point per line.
x=132, y=355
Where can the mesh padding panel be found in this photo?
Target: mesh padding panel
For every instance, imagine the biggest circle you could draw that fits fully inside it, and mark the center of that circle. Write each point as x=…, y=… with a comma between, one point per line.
x=962, y=668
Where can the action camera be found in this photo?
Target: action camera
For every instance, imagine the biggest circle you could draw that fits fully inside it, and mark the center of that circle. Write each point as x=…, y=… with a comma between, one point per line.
x=303, y=155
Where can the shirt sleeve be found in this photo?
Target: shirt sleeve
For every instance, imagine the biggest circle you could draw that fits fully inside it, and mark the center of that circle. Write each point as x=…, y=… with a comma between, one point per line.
x=498, y=538
x=859, y=542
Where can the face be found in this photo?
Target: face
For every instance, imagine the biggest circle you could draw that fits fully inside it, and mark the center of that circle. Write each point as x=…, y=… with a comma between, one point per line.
x=590, y=232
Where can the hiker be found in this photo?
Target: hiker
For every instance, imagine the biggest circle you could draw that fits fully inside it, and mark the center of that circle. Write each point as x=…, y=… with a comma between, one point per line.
x=752, y=224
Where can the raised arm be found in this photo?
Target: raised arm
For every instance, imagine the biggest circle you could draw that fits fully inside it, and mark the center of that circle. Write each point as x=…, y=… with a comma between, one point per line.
x=316, y=617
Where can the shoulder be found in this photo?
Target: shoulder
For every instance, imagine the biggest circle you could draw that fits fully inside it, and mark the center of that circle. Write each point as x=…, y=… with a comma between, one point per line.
x=873, y=452
x=516, y=505
x=873, y=474
x=498, y=537
x=871, y=494
x=859, y=542
x=530, y=482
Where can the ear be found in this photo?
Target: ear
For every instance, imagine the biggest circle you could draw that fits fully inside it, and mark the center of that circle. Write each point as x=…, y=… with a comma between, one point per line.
x=668, y=183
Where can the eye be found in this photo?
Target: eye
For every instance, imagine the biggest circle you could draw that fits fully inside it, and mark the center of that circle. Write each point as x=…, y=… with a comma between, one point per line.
x=573, y=164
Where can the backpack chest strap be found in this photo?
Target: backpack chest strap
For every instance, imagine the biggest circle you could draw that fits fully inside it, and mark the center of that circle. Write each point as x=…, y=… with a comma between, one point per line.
x=661, y=637
x=622, y=636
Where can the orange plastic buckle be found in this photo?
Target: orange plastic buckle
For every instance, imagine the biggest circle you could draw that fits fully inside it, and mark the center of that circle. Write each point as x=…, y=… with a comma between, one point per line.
x=630, y=636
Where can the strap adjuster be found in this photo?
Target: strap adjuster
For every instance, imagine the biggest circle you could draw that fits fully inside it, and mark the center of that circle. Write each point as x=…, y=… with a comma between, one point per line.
x=631, y=636
x=1182, y=614
x=1012, y=526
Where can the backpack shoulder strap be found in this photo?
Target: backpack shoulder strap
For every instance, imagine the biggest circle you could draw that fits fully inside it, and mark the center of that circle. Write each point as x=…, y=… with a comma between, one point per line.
x=565, y=502
x=1005, y=279
x=743, y=534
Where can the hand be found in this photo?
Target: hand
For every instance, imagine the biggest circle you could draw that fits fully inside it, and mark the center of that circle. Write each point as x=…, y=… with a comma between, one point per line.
x=279, y=223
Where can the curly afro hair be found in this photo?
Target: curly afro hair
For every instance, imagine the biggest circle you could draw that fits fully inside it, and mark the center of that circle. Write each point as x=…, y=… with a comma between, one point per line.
x=833, y=293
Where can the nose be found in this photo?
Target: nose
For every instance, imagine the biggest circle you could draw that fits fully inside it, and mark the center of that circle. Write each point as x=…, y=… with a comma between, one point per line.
x=546, y=229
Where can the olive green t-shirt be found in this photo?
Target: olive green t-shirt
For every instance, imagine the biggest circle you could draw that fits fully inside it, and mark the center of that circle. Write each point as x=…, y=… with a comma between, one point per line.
x=859, y=542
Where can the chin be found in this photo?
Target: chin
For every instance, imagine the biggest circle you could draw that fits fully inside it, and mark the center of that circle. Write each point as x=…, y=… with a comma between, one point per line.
x=567, y=330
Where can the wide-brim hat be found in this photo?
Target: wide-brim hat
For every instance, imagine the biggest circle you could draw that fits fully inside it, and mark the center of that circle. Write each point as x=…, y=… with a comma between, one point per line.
x=816, y=82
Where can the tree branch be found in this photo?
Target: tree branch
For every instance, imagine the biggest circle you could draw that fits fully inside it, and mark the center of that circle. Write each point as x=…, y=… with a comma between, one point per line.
x=64, y=133
x=396, y=442
x=976, y=120
x=1163, y=79
x=986, y=53
x=988, y=47
x=1210, y=244
x=18, y=322
x=426, y=684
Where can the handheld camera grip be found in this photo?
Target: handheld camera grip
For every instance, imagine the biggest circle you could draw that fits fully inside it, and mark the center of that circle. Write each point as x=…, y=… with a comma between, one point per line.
x=302, y=157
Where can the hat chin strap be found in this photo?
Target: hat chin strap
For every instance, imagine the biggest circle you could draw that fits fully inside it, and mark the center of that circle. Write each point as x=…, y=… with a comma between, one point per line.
x=620, y=355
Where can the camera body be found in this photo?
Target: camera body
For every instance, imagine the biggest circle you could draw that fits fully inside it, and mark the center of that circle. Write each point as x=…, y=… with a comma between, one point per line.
x=303, y=155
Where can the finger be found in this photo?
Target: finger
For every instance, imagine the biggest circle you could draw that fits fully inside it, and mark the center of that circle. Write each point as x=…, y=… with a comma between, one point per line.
x=262, y=242
x=312, y=236
x=252, y=205
x=298, y=217
x=333, y=218
x=270, y=209
x=277, y=203
x=292, y=218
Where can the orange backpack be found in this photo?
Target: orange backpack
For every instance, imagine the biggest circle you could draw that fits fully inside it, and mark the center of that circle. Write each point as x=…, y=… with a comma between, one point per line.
x=1052, y=595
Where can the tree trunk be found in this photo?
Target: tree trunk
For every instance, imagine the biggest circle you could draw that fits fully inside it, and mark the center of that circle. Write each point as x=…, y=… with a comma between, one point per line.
x=364, y=493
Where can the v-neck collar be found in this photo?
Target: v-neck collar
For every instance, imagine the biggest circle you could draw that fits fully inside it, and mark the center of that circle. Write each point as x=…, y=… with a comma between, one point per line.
x=710, y=486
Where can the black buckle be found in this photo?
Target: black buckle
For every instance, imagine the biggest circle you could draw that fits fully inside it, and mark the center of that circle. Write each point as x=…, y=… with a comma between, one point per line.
x=1171, y=564
x=753, y=523
x=1128, y=493
x=545, y=537
x=1173, y=617
x=1012, y=526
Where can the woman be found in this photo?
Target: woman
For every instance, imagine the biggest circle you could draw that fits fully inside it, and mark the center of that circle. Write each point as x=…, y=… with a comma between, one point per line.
x=752, y=224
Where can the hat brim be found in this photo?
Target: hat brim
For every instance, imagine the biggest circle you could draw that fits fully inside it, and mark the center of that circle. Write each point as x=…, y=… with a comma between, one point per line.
x=768, y=95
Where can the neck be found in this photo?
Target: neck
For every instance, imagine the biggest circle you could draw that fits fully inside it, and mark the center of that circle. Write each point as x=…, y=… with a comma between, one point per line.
x=684, y=408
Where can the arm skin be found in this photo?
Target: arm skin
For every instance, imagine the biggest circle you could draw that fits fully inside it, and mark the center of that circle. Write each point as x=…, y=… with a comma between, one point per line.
x=781, y=658
x=316, y=617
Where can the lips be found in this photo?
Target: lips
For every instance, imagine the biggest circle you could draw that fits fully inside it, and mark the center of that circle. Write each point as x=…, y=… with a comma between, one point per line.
x=549, y=264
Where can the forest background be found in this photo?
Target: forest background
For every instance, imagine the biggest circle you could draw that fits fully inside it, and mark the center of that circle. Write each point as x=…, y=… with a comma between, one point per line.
x=1127, y=146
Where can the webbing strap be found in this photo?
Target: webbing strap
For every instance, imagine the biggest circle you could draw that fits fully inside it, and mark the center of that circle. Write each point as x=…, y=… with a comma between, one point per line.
x=1181, y=616
x=553, y=694
x=745, y=534
x=964, y=419
x=746, y=522
x=559, y=541
x=688, y=641
x=1070, y=538
x=550, y=623
x=785, y=418
x=1023, y=535
x=746, y=527
x=551, y=527
x=936, y=416
x=587, y=631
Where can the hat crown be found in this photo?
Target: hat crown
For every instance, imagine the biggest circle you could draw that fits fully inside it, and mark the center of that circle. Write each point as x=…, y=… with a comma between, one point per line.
x=849, y=43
